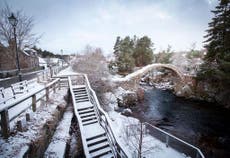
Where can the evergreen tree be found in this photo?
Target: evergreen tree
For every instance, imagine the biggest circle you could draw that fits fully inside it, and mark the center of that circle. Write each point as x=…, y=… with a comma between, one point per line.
x=123, y=51
x=117, y=46
x=130, y=52
x=125, y=61
x=218, y=40
x=218, y=34
x=216, y=69
x=143, y=53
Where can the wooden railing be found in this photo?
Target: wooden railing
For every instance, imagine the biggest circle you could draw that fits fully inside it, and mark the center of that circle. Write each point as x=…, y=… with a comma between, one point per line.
x=4, y=110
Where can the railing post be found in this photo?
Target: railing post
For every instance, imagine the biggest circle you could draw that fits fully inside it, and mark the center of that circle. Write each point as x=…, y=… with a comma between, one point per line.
x=167, y=141
x=59, y=84
x=118, y=150
x=5, y=123
x=54, y=87
x=27, y=117
x=47, y=93
x=34, y=102
x=43, y=76
x=197, y=154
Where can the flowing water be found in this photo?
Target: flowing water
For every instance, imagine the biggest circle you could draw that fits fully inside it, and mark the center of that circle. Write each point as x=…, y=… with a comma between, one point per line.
x=203, y=124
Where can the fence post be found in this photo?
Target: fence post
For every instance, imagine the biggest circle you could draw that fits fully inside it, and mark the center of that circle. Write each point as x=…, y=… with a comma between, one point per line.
x=118, y=150
x=5, y=123
x=27, y=117
x=43, y=75
x=167, y=140
x=197, y=154
x=34, y=102
x=59, y=84
x=47, y=93
x=54, y=87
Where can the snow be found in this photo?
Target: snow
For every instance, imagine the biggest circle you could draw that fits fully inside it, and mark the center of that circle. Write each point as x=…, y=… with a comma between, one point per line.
x=93, y=130
x=15, y=146
x=67, y=71
x=58, y=144
x=119, y=124
x=157, y=149
x=9, y=94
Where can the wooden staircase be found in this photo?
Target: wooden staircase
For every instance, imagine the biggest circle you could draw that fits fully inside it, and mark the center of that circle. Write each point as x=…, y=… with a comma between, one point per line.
x=95, y=135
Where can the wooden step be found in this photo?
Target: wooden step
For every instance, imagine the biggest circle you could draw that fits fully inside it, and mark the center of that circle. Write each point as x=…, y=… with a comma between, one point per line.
x=101, y=152
x=98, y=146
x=90, y=122
x=88, y=115
x=79, y=90
x=80, y=93
x=97, y=140
x=109, y=155
x=76, y=88
x=86, y=108
x=85, y=120
x=82, y=100
x=86, y=111
x=95, y=137
x=82, y=97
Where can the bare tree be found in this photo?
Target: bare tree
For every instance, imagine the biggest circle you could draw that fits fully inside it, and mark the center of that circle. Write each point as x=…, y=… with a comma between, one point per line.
x=137, y=138
x=25, y=24
x=93, y=63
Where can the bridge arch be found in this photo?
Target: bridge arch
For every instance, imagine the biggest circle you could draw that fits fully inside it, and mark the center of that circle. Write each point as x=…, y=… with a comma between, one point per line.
x=137, y=75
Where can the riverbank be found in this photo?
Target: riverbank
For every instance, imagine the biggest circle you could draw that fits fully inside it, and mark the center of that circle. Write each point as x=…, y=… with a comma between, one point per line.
x=196, y=122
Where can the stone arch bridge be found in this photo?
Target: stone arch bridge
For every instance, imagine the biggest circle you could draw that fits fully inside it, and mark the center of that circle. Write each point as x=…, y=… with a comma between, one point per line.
x=137, y=75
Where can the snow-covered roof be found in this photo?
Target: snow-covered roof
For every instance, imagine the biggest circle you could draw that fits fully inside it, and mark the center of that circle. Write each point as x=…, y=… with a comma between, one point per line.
x=54, y=60
x=25, y=53
x=41, y=60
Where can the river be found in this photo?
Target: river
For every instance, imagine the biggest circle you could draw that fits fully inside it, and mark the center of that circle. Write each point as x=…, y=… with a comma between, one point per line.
x=205, y=125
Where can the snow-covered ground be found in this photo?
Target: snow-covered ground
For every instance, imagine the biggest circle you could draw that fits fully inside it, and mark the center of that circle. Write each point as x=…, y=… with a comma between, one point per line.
x=67, y=71
x=16, y=145
x=58, y=144
x=120, y=123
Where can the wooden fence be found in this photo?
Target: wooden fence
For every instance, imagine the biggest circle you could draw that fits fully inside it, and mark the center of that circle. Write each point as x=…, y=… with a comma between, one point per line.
x=4, y=109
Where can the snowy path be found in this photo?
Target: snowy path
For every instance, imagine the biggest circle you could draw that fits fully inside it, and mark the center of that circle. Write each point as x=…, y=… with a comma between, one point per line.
x=58, y=145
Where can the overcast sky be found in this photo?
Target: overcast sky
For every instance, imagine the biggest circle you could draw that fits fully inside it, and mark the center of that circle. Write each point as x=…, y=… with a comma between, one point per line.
x=72, y=24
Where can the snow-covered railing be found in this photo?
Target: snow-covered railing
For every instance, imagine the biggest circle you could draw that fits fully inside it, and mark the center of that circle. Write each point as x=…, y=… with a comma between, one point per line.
x=17, y=88
x=104, y=121
x=173, y=142
x=4, y=110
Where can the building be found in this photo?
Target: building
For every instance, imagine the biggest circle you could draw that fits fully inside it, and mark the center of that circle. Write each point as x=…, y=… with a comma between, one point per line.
x=27, y=58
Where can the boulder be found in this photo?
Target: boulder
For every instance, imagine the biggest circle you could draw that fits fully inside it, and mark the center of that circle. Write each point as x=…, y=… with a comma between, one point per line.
x=126, y=112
